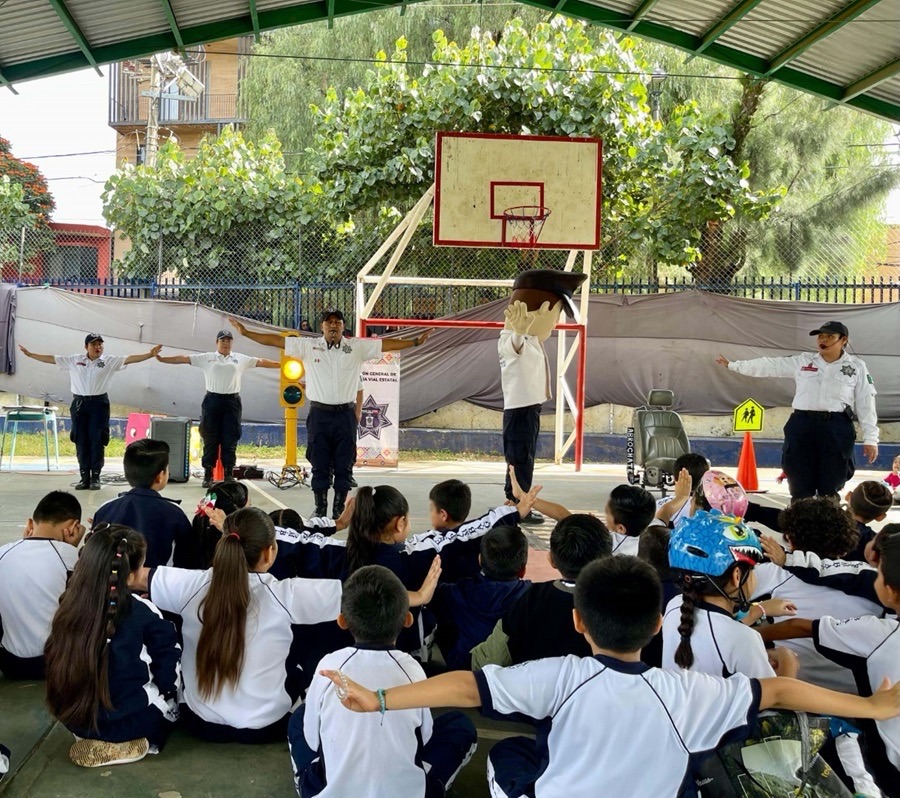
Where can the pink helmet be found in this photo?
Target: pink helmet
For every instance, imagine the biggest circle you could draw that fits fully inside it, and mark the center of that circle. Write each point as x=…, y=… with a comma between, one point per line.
x=723, y=493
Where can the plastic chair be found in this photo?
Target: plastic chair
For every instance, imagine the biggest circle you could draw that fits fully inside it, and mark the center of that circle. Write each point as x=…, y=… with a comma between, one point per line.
x=16, y=414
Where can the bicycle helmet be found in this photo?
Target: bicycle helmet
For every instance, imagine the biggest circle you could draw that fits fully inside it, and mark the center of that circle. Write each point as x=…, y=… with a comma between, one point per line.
x=718, y=491
x=710, y=543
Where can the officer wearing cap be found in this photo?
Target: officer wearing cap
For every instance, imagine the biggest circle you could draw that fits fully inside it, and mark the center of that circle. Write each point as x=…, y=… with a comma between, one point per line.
x=90, y=375
x=220, y=412
x=833, y=387
x=333, y=366
x=538, y=298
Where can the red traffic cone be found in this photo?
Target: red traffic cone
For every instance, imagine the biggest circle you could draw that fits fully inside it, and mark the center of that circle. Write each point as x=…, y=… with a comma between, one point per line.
x=746, y=472
x=219, y=470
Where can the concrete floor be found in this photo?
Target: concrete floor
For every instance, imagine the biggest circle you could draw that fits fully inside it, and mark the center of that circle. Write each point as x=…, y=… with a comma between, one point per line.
x=191, y=769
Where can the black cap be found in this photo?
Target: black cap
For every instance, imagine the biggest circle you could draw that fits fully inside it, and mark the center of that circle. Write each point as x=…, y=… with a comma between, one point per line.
x=563, y=284
x=224, y=334
x=328, y=314
x=832, y=328
x=91, y=337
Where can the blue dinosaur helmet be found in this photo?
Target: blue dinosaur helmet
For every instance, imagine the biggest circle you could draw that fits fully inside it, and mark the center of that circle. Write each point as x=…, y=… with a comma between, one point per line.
x=710, y=543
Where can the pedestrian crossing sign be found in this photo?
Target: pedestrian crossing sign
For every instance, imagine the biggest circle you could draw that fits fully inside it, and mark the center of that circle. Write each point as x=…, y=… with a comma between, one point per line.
x=748, y=416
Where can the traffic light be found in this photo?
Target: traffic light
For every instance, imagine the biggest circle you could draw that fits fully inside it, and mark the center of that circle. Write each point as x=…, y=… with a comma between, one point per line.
x=291, y=373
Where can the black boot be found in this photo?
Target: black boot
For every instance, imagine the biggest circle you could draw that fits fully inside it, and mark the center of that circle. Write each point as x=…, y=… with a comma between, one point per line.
x=85, y=481
x=229, y=475
x=321, y=504
x=340, y=501
x=95, y=480
x=207, y=478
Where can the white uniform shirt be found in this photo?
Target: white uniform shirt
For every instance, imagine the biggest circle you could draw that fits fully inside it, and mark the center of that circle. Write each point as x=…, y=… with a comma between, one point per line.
x=33, y=575
x=821, y=385
x=367, y=755
x=524, y=375
x=683, y=512
x=813, y=601
x=721, y=644
x=667, y=716
x=333, y=374
x=89, y=377
x=223, y=372
x=871, y=648
x=259, y=698
x=625, y=544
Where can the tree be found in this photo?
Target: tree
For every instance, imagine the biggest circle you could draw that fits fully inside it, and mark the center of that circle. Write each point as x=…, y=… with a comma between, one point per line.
x=231, y=214
x=25, y=200
x=663, y=184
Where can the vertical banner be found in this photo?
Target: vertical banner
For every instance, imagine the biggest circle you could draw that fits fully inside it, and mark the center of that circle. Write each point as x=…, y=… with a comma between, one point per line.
x=378, y=432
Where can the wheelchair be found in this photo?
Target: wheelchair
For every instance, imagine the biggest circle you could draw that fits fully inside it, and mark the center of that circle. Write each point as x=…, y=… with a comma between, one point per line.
x=655, y=440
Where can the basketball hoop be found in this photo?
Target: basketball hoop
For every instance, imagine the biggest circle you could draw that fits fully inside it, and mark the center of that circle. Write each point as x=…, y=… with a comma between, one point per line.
x=522, y=225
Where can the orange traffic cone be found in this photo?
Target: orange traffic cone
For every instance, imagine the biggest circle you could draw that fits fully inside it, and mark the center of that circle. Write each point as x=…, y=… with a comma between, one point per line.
x=219, y=470
x=746, y=473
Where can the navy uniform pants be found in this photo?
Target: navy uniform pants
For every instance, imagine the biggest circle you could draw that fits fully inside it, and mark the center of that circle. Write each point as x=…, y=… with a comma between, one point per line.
x=817, y=456
x=521, y=426
x=90, y=430
x=220, y=425
x=331, y=445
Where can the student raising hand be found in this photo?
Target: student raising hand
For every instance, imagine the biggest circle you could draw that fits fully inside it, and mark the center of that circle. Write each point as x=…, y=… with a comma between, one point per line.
x=424, y=594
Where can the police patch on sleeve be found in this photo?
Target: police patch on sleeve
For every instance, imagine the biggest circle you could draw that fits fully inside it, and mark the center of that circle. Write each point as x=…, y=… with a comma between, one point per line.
x=869, y=378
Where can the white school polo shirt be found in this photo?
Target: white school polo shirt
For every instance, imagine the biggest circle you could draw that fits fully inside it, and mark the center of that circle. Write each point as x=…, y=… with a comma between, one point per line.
x=259, y=698
x=33, y=575
x=722, y=646
x=333, y=373
x=814, y=601
x=367, y=755
x=89, y=377
x=524, y=375
x=606, y=727
x=223, y=372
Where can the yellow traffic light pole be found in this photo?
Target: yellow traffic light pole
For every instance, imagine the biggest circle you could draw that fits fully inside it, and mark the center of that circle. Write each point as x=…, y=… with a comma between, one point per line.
x=291, y=398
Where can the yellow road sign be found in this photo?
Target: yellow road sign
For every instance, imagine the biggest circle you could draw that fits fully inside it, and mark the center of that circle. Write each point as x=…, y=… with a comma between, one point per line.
x=748, y=416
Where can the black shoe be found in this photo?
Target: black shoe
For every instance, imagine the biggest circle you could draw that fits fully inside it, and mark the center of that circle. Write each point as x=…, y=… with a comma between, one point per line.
x=321, y=510
x=340, y=502
x=95, y=481
x=229, y=475
x=533, y=518
x=207, y=478
x=353, y=483
x=85, y=481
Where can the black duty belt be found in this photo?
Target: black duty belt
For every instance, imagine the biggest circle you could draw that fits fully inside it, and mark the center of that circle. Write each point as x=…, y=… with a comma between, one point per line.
x=820, y=414
x=226, y=395
x=89, y=396
x=332, y=408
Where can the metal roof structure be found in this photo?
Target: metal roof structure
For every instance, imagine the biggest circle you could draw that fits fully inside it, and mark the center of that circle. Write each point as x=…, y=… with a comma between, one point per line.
x=845, y=51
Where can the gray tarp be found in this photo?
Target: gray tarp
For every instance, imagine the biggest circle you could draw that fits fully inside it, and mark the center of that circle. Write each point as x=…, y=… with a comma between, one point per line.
x=635, y=343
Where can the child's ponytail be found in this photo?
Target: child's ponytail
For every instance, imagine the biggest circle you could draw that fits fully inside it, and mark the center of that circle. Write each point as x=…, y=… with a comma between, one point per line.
x=691, y=595
x=97, y=598
x=223, y=612
x=373, y=510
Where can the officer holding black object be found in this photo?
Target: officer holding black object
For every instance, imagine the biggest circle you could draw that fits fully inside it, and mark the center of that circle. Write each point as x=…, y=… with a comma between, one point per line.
x=833, y=388
x=333, y=364
x=90, y=375
x=220, y=413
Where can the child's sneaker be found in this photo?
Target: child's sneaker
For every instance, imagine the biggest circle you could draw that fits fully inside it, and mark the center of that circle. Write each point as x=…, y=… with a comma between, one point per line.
x=96, y=753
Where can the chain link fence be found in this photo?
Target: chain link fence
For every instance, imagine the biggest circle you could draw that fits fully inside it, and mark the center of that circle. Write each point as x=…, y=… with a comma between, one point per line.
x=285, y=275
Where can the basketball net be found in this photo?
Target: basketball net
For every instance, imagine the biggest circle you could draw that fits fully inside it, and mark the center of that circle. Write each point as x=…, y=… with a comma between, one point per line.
x=522, y=226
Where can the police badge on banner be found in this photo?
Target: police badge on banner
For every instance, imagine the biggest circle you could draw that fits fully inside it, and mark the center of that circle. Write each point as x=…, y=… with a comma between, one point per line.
x=378, y=432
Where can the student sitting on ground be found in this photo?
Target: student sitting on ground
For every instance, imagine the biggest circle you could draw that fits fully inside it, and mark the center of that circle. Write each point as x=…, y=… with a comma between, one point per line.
x=409, y=754
x=870, y=647
x=820, y=526
x=538, y=624
x=714, y=557
x=112, y=660
x=869, y=501
x=159, y=519
x=467, y=610
x=33, y=575
x=239, y=684
x=696, y=465
x=654, y=550
x=197, y=551
x=674, y=717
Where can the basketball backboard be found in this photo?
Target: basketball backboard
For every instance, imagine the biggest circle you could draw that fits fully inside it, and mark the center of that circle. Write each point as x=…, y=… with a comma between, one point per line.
x=479, y=175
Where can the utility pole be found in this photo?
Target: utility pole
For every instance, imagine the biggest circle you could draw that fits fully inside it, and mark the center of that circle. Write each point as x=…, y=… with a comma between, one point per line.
x=151, y=144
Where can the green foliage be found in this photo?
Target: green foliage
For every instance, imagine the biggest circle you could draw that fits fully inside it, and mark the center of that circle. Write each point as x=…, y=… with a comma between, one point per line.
x=233, y=212
x=25, y=200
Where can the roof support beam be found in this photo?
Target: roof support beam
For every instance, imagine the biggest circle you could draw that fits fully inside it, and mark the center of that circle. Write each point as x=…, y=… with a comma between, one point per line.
x=5, y=82
x=558, y=9
x=871, y=80
x=330, y=6
x=640, y=12
x=254, y=20
x=173, y=24
x=848, y=14
x=735, y=15
x=69, y=21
